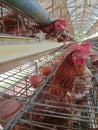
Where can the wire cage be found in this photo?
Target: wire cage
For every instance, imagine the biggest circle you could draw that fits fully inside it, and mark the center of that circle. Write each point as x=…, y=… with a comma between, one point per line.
x=42, y=113
x=39, y=109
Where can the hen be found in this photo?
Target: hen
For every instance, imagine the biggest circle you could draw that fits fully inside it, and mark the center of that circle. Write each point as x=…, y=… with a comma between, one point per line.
x=53, y=107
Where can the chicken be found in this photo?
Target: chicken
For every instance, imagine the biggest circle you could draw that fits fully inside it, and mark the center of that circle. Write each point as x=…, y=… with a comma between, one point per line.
x=11, y=27
x=57, y=99
x=53, y=106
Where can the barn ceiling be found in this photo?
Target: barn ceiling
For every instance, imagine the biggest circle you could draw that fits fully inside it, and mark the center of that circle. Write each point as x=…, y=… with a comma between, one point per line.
x=81, y=15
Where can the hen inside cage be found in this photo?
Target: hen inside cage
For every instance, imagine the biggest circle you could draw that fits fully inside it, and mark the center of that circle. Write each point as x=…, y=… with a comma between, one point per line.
x=46, y=107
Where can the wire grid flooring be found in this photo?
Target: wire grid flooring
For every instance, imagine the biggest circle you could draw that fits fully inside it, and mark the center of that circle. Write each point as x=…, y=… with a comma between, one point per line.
x=15, y=82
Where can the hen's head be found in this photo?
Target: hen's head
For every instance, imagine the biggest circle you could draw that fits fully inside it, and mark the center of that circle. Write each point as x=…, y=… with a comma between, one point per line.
x=72, y=66
x=68, y=70
x=78, y=61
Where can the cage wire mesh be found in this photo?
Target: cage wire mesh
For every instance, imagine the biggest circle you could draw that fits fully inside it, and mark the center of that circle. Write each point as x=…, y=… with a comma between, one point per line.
x=42, y=113
x=38, y=111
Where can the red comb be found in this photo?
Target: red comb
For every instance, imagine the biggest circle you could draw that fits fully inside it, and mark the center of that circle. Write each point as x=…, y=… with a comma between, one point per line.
x=84, y=50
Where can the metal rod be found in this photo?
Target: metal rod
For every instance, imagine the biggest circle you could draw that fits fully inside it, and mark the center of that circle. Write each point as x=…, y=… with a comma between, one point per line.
x=31, y=8
x=2, y=26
